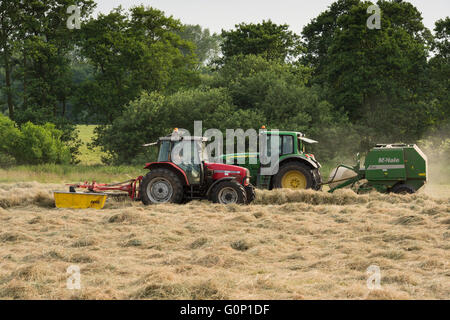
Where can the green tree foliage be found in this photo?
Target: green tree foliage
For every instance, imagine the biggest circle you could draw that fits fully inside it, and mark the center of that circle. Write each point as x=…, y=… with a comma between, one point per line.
x=41, y=144
x=35, y=44
x=32, y=144
x=9, y=16
x=377, y=76
x=43, y=51
x=142, y=73
x=9, y=134
x=249, y=91
x=439, y=73
x=279, y=93
x=159, y=114
x=207, y=45
x=132, y=51
x=318, y=36
x=272, y=41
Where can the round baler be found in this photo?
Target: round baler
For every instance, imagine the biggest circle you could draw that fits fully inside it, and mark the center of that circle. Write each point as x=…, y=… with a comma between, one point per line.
x=397, y=168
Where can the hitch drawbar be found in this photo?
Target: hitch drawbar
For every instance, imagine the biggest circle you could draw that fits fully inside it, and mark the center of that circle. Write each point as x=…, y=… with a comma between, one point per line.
x=128, y=188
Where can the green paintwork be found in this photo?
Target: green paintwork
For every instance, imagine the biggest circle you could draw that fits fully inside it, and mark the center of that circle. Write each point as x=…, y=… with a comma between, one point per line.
x=251, y=161
x=388, y=165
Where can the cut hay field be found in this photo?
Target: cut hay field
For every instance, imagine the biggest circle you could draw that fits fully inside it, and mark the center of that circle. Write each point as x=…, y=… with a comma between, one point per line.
x=287, y=245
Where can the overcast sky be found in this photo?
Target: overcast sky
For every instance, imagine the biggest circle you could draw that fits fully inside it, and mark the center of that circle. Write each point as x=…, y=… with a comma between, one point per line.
x=224, y=14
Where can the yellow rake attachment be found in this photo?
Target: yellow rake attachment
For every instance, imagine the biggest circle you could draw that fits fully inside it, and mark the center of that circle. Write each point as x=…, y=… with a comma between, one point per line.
x=75, y=200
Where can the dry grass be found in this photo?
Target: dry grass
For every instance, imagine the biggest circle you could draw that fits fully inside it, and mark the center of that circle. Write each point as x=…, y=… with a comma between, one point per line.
x=287, y=245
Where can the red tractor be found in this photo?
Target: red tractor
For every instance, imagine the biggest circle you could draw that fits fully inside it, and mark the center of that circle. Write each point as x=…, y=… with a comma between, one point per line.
x=176, y=181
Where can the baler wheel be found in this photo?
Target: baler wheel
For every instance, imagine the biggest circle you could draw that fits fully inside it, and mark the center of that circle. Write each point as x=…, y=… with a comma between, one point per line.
x=403, y=189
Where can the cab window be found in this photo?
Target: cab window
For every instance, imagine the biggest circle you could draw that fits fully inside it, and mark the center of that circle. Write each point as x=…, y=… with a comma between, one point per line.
x=191, y=165
x=288, y=145
x=285, y=144
x=164, y=151
x=269, y=143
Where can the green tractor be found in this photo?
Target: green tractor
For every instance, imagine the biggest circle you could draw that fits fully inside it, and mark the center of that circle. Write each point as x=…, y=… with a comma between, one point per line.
x=396, y=168
x=297, y=169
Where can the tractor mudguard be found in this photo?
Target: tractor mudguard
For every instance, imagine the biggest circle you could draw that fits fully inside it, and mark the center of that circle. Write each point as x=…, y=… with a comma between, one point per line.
x=216, y=182
x=313, y=164
x=171, y=165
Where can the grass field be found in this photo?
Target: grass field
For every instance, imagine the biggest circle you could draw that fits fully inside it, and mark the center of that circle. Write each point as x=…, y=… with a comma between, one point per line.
x=69, y=173
x=88, y=156
x=287, y=245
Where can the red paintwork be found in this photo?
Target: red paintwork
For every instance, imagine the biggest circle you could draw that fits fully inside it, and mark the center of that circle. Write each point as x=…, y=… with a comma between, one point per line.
x=150, y=164
x=131, y=187
x=235, y=171
x=213, y=166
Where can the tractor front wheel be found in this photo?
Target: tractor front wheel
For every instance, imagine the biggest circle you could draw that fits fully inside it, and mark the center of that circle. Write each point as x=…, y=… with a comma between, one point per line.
x=250, y=192
x=228, y=192
x=293, y=176
x=161, y=186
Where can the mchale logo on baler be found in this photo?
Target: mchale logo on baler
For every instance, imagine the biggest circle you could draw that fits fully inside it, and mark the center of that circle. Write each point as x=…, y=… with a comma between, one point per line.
x=388, y=160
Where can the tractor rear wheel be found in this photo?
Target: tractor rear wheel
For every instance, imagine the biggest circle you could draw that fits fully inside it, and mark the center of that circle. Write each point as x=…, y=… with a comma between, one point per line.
x=293, y=175
x=228, y=192
x=317, y=180
x=403, y=189
x=161, y=186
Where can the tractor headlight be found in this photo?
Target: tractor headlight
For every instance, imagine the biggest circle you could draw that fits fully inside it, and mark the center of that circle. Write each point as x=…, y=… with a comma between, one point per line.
x=247, y=177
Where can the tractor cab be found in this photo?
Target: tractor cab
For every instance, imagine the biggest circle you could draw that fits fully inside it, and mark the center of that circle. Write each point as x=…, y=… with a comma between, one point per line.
x=187, y=153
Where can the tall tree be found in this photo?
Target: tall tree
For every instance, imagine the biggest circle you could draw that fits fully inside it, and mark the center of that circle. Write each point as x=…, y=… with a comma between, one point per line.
x=207, y=45
x=377, y=76
x=272, y=41
x=130, y=52
x=318, y=36
x=9, y=16
x=45, y=45
x=440, y=71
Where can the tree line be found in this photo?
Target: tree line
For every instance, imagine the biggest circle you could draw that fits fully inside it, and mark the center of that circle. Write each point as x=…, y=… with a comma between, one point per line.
x=138, y=73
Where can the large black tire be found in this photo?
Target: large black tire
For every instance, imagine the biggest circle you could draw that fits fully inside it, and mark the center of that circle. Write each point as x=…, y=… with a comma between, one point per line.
x=292, y=167
x=403, y=189
x=317, y=180
x=250, y=193
x=161, y=186
x=229, y=192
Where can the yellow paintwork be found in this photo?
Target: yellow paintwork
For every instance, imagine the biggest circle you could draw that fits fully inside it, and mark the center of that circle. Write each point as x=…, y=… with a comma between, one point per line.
x=294, y=180
x=79, y=200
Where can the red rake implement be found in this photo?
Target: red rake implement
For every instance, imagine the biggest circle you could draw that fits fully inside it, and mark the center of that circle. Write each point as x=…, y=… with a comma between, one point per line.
x=128, y=188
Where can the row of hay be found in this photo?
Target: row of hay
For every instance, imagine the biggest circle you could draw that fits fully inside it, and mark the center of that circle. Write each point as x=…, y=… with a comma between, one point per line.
x=27, y=193
x=33, y=193
x=339, y=197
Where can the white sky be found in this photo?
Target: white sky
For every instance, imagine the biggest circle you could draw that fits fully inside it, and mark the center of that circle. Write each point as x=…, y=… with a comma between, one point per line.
x=224, y=14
